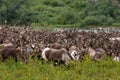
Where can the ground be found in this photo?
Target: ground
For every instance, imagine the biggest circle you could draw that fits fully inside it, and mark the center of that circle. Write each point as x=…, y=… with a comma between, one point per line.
x=84, y=70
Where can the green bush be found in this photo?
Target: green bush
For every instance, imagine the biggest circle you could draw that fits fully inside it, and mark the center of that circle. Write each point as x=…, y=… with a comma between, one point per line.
x=67, y=16
x=54, y=3
x=60, y=12
x=90, y=20
x=97, y=20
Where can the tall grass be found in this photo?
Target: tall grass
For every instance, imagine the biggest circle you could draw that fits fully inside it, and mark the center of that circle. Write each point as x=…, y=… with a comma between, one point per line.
x=84, y=70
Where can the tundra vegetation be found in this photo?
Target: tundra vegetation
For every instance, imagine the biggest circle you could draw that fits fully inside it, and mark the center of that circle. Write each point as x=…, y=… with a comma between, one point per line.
x=60, y=13
x=85, y=70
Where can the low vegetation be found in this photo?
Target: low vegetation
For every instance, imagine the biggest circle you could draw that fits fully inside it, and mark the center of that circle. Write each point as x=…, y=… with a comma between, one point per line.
x=87, y=69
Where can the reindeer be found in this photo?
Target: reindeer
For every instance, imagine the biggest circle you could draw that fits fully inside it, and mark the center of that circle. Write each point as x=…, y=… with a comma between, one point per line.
x=59, y=55
x=7, y=44
x=8, y=52
x=96, y=54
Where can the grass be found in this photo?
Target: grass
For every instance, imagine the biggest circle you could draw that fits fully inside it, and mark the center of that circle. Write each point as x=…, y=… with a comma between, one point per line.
x=84, y=70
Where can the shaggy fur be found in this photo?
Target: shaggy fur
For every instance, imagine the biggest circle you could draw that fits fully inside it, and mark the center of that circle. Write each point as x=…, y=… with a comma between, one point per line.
x=58, y=55
x=96, y=54
x=8, y=52
x=73, y=48
x=54, y=55
x=91, y=53
x=57, y=46
x=6, y=44
x=113, y=39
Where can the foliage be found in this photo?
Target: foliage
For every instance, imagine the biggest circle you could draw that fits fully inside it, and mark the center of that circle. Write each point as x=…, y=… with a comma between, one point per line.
x=36, y=70
x=60, y=12
x=15, y=12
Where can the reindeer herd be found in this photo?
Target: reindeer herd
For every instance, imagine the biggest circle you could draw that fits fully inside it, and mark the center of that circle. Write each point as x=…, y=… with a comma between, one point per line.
x=60, y=46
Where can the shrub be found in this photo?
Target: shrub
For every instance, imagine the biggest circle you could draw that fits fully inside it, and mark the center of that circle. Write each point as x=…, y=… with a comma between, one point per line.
x=97, y=20
x=90, y=20
x=54, y=3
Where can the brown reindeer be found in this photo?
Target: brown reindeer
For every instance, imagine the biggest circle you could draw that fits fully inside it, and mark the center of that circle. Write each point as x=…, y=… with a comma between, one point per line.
x=6, y=44
x=8, y=52
x=59, y=55
x=96, y=54
x=57, y=46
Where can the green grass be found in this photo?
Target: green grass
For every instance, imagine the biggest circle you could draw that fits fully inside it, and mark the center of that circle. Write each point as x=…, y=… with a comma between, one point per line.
x=85, y=70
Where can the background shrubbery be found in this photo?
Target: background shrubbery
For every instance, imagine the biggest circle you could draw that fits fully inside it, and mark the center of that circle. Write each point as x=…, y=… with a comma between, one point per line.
x=60, y=12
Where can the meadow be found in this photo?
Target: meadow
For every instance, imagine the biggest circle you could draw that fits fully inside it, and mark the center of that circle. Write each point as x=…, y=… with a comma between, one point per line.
x=35, y=69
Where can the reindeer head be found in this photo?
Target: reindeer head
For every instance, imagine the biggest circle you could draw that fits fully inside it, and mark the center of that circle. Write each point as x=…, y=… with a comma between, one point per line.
x=74, y=52
x=75, y=55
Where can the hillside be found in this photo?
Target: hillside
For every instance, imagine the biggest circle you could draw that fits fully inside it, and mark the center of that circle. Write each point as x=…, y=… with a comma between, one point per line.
x=56, y=13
